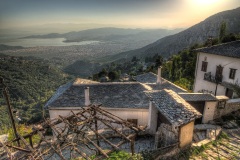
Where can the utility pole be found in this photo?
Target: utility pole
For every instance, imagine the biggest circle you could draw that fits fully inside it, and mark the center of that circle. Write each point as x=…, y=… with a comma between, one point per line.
x=9, y=109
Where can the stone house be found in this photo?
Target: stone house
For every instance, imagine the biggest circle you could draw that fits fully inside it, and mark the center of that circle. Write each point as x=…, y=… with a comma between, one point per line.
x=217, y=68
x=137, y=102
x=175, y=118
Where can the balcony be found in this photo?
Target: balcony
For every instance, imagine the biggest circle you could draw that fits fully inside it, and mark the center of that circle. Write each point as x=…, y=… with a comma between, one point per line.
x=211, y=78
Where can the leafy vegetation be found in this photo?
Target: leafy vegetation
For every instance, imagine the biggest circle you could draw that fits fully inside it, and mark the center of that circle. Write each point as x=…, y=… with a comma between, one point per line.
x=22, y=130
x=30, y=83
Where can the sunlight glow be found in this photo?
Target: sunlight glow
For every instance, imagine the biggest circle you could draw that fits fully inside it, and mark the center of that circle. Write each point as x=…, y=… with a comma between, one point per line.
x=206, y=2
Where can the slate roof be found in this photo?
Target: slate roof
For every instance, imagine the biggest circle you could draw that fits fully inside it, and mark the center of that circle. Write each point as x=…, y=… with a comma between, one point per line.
x=113, y=95
x=175, y=109
x=231, y=49
x=146, y=78
x=150, y=79
x=191, y=97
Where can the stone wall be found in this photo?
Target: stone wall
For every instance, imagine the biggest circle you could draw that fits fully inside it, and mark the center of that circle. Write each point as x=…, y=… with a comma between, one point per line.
x=186, y=135
x=152, y=121
x=209, y=110
x=229, y=107
x=166, y=135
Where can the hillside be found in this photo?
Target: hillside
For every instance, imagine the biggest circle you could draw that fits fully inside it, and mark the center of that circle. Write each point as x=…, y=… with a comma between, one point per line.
x=30, y=83
x=82, y=68
x=198, y=33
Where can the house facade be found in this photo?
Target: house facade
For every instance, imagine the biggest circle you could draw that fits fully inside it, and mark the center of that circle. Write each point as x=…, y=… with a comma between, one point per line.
x=217, y=69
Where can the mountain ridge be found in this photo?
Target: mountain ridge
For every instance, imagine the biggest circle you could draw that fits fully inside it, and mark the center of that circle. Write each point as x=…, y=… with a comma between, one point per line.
x=107, y=34
x=197, y=33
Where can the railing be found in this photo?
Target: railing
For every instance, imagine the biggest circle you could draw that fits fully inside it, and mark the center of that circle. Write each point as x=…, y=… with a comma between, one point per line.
x=211, y=78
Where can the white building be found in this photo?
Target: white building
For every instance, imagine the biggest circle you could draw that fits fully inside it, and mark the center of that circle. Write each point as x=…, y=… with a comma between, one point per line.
x=217, y=69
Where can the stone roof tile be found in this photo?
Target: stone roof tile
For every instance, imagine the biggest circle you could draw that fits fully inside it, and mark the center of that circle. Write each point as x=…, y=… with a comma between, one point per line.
x=150, y=79
x=146, y=78
x=230, y=49
x=113, y=95
x=173, y=107
x=190, y=97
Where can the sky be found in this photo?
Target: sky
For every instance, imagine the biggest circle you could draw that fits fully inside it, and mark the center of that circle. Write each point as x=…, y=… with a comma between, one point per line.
x=73, y=14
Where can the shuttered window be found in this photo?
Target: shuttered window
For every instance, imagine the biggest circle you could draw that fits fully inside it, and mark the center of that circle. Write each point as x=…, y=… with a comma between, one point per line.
x=204, y=66
x=232, y=73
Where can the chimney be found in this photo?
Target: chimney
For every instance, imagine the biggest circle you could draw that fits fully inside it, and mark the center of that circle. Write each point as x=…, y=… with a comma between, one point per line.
x=159, y=80
x=87, y=99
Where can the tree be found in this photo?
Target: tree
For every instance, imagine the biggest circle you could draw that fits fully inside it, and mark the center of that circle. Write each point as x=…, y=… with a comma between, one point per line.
x=158, y=61
x=222, y=31
x=236, y=88
x=113, y=75
x=102, y=73
x=228, y=38
x=134, y=59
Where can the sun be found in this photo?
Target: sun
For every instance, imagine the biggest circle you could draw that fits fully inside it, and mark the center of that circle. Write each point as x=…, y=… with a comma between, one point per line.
x=205, y=2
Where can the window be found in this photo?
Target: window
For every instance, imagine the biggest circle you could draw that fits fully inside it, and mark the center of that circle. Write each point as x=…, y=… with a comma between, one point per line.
x=232, y=73
x=221, y=104
x=218, y=75
x=204, y=66
x=134, y=121
x=229, y=93
x=219, y=70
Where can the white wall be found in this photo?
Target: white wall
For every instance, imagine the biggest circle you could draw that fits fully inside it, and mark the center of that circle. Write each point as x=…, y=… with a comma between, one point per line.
x=140, y=114
x=208, y=113
x=213, y=61
x=125, y=113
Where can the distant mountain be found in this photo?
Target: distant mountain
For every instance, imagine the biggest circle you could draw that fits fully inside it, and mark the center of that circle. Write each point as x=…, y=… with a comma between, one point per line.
x=51, y=35
x=110, y=34
x=196, y=34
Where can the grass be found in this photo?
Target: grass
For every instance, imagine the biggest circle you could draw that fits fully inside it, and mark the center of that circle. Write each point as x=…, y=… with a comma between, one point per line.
x=201, y=151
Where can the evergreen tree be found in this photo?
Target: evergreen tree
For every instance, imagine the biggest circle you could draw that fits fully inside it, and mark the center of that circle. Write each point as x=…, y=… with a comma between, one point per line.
x=222, y=31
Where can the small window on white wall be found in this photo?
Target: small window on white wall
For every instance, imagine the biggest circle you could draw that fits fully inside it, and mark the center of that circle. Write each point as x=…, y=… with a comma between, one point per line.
x=221, y=104
x=232, y=73
x=204, y=66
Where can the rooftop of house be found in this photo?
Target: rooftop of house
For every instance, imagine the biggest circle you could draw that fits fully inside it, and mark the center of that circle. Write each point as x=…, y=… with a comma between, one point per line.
x=112, y=95
x=174, y=108
x=150, y=79
x=146, y=78
x=192, y=97
x=230, y=49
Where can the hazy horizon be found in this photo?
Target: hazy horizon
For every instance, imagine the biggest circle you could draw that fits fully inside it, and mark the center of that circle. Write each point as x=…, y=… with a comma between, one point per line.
x=40, y=17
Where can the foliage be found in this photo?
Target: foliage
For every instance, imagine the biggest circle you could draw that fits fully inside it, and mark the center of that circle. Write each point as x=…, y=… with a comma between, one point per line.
x=199, y=151
x=21, y=130
x=30, y=83
x=222, y=31
x=236, y=88
x=184, y=83
x=113, y=75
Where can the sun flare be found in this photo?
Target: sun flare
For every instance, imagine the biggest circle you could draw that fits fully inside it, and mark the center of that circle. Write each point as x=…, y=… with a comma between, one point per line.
x=206, y=2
